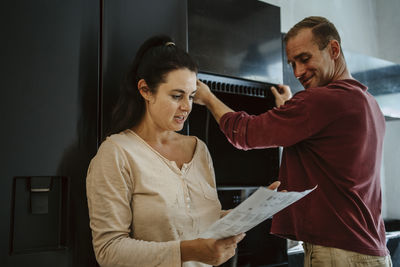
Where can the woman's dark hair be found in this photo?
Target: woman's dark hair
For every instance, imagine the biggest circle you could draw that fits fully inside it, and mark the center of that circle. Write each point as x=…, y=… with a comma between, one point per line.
x=156, y=57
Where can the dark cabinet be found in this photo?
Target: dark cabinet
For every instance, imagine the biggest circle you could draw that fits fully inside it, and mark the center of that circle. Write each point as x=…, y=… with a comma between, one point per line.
x=48, y=106
x=126, y=25
x=62, y=63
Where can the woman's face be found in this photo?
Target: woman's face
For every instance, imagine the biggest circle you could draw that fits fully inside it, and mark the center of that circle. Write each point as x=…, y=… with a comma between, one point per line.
x=170, y=106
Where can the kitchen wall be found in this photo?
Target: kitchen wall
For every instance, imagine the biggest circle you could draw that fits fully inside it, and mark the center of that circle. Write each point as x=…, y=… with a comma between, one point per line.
x=391, y=171
x=368, y=27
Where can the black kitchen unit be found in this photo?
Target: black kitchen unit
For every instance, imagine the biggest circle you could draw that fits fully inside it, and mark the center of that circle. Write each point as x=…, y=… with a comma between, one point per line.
x=125, y=26
x=238, y=47
x=49, y=117
x=62, y=64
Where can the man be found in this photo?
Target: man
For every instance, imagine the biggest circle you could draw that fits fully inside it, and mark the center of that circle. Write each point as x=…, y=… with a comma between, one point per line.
x=332, y=134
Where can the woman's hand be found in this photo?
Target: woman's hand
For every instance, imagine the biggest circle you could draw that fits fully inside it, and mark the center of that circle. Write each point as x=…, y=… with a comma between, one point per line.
x=282, y=94
x=210, y=251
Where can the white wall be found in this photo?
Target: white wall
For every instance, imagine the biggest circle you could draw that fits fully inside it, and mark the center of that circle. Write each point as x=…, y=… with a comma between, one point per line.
x=369, y=27
x=388, y=29
x=391, y=171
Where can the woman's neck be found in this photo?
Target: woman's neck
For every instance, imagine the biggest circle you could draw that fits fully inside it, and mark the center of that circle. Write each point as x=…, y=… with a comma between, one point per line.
x=150, y=134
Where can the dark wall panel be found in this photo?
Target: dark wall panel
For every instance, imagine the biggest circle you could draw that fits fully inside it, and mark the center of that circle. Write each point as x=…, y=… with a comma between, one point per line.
x=48, y=107
x=127, y=24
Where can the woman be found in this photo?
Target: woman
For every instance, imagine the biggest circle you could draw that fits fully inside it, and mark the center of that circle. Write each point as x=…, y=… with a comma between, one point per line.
x=150, y=190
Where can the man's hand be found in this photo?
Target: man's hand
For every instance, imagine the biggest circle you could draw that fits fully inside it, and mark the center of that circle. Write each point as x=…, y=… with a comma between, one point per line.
x=205, y=97
x=203, y=93
x=210, y=251
x=282, y=94
x=274, y=185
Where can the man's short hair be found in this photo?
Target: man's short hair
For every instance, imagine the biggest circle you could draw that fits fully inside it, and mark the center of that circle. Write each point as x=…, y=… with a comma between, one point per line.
x=323, y=30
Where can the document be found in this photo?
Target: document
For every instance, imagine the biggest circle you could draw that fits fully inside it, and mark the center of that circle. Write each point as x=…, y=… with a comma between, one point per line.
x=261, y=205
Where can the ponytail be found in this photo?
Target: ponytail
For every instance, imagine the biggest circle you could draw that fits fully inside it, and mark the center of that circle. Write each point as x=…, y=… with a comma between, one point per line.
x=156, y=57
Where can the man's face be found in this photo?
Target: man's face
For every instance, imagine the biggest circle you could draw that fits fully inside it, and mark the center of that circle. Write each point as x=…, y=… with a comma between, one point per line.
x=312, y=66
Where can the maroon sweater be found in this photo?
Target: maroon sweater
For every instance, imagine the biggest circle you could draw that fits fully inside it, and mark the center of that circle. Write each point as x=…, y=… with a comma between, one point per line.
x=332, y=137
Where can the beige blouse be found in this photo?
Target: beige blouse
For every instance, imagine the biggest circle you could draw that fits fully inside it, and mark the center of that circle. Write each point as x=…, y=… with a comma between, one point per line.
x=141, y=204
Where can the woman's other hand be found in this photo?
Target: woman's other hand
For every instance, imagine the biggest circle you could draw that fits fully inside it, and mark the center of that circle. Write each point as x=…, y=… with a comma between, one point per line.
x=210, y=251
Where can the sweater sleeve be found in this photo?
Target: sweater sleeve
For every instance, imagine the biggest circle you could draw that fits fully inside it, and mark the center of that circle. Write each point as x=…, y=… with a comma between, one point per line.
x=109, y=192
x=283, y=126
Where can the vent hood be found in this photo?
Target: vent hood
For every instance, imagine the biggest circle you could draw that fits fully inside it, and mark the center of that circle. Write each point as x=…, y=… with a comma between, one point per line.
x=236, y=39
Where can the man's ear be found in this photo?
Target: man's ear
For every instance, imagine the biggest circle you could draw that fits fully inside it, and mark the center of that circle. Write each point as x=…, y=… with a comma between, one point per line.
x=144, y=89
x=335, y=49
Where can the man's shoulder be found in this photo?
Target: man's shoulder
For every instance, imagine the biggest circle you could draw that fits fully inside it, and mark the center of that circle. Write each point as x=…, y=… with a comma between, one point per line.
x=334, y=88
x=346, y=84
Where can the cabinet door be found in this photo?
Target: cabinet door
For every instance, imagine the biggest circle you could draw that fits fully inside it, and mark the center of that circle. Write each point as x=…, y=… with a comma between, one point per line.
x=126, y=25
x=48, y=107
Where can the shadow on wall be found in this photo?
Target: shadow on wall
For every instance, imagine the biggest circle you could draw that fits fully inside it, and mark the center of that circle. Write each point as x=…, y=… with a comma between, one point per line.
x=77, y=156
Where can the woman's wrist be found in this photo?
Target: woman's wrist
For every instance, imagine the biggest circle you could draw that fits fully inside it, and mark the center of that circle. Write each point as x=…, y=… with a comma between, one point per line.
x=188, y=250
